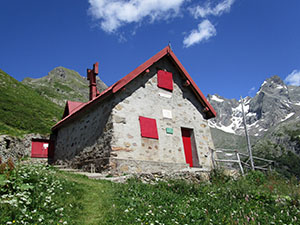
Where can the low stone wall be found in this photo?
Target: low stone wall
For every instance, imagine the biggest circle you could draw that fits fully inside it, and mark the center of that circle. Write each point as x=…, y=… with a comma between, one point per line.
x=122, y=166
x=191, y=177
x=16, y=148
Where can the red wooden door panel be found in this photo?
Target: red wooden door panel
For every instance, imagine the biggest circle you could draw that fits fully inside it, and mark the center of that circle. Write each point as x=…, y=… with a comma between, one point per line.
x=187, y=144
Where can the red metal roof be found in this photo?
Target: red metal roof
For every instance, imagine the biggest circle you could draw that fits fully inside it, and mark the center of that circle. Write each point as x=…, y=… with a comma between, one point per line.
x=71, y=107
x=209, y=111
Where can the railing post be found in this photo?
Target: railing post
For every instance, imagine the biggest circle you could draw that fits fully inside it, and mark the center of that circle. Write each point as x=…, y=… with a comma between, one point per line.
x=212, y=158
x=240, y=164
x=247, y=136
x=93, y=168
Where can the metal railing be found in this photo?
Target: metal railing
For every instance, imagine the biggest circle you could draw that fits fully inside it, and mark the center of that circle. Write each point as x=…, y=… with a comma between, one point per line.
x=228, y=158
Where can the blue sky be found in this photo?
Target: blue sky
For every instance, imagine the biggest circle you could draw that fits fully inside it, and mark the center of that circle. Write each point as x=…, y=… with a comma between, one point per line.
x=229, y=47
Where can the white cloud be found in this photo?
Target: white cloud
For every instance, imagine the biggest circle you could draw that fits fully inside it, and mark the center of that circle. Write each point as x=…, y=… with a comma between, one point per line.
x=204, y=32
x=293, y=78
x=205, y=29
x=113, y=14
x=251, y=91
x=206, y=10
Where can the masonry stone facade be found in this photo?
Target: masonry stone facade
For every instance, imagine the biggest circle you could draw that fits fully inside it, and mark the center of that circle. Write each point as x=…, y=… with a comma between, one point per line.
x=108, y=135
x=143, y=97
x=87, y=140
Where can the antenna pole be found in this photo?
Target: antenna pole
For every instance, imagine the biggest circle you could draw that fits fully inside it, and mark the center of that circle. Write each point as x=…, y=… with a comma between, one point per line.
x=247, y=136
x=170, y=45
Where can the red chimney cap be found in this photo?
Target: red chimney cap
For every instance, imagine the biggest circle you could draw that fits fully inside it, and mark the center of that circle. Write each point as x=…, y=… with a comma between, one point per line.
x=96, y=68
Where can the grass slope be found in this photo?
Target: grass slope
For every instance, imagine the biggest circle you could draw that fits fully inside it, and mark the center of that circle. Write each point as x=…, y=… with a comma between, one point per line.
x=254, y=199
x=64, y=198
x=94, y=199
x=23, y=110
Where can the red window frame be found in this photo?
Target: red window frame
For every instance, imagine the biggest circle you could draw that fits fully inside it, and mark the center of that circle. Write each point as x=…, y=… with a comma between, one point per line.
x=165, y=80
x=148, y=127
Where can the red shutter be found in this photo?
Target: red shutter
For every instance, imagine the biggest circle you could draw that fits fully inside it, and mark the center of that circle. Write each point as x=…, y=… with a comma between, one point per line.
x=148, y=127
x=39, y=149
x=165, y=80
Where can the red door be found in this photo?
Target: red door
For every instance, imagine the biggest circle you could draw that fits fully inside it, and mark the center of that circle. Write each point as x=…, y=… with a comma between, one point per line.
x=187, y=144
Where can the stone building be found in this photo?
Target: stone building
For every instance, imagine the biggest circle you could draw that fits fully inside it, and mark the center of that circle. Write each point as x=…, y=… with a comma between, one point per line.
x=153, y=119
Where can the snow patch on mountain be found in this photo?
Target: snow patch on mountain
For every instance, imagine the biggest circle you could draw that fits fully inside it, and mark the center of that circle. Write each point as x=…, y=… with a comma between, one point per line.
x=287, y=116
x=227, y=129
x=217, y=99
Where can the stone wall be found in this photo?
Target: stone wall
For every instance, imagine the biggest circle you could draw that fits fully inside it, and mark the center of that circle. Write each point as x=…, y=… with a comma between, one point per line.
x=16, y=148
x=85, y=142
x=130, y=166
x=142, y=97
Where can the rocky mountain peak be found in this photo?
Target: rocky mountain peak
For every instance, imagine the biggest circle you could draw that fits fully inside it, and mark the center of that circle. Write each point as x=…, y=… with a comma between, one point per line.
x=58, y=71
x=274, y=103
x=273, y=85
x=62, y=74
x=275, y=79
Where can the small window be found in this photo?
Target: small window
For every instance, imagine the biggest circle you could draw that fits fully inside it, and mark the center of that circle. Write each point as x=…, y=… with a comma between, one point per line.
x=148, y=127
x=165, y=80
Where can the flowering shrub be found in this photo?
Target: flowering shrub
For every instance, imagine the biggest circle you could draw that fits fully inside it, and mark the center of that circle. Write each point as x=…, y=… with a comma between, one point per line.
x=6, y=167
x=32, y=194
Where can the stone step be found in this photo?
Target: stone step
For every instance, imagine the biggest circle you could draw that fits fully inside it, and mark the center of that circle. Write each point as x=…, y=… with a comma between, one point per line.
x=69, y=170
x=100, y=176
x=58, y=166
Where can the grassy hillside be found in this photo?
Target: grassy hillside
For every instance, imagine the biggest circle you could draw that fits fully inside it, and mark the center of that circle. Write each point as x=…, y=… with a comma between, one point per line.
x=230, y=141
x=23, y=110
x=282, y=144
x=74, y=199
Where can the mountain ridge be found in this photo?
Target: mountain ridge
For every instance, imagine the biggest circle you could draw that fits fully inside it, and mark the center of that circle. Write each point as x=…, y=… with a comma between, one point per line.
x=274, y=103
x=36, y=104
x=63, y=84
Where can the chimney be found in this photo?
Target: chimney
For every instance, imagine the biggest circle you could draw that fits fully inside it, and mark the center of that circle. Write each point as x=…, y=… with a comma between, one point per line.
x=91, y=76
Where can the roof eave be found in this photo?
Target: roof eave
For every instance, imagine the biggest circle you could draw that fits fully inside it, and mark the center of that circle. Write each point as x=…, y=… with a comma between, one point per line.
x=211, y=112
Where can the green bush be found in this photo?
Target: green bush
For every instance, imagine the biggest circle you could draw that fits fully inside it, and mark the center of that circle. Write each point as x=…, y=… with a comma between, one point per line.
x=32, y=194
x=256, y=177
x=218, y=176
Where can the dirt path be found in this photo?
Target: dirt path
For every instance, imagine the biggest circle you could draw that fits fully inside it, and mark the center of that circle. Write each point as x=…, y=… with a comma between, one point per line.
x=93, y=200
